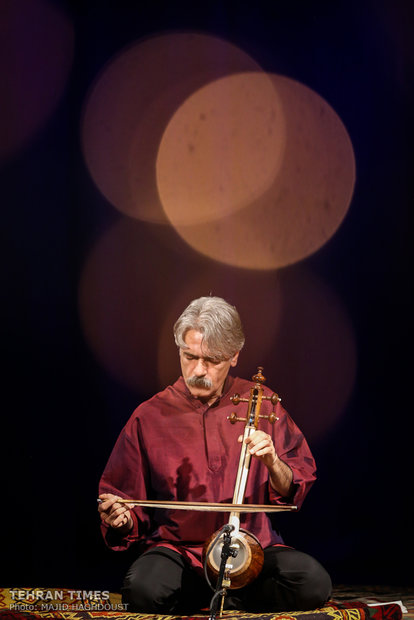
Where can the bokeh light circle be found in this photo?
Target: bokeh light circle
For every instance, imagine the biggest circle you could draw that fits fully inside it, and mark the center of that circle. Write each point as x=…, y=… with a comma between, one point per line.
x=295, y=325
x=132, y=101
x=221, y=150
x=314, y=357
x=306, y=202
x=36, y=55
x=132, y=290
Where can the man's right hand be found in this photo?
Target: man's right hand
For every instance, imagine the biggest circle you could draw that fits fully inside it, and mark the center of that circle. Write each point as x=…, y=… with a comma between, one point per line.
x=114, y=514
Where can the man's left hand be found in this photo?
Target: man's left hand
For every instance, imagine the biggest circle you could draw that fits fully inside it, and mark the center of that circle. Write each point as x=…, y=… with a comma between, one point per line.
x=260, y=444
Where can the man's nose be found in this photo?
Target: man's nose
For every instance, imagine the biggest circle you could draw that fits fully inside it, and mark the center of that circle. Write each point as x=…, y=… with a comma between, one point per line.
x=201, y=368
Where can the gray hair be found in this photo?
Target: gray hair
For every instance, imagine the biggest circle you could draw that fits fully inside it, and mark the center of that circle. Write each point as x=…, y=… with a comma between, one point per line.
x=217, y=321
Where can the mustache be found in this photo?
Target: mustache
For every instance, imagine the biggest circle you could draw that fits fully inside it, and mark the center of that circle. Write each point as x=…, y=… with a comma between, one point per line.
x=200, y=382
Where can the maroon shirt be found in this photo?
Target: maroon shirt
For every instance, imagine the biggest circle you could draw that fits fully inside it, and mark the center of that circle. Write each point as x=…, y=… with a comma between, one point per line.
x=176, y=448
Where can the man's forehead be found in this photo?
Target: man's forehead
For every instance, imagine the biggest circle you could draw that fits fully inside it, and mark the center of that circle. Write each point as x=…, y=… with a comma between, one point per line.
x=199, y=348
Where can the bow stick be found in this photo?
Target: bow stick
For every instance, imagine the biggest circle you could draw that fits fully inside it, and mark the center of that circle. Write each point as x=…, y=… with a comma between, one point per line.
x=206, y=506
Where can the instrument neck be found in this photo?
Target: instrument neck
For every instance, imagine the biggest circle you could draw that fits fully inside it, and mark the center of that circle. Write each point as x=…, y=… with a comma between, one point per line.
x=243, y=468
x=241, y=479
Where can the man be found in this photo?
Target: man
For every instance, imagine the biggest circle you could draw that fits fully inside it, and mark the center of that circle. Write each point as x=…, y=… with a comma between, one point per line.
x=180, y=446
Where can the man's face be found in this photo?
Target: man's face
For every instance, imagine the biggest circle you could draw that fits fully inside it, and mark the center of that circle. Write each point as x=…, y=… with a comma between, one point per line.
x=203, y=374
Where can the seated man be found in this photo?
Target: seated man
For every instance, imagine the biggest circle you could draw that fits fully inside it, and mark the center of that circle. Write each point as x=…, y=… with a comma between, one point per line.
x=180, y=446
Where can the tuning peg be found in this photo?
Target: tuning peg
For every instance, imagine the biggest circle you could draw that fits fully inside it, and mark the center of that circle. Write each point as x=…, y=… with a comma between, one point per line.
x=233, y=418
x=272, y=417
x=274, y=398
x=236, y=399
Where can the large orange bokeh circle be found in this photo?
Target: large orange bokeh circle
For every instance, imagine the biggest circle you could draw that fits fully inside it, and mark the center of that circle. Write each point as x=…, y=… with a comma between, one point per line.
x=301, y=209
x=221, y=150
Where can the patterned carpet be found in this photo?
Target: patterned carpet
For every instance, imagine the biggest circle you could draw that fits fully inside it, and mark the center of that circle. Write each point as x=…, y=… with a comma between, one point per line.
x=377, y=595
x=347, y=603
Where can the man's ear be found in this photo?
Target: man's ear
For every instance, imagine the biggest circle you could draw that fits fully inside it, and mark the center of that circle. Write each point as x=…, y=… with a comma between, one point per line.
x=234, y=359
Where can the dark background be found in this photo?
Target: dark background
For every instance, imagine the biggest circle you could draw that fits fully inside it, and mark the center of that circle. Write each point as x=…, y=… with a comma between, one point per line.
x=62, y=410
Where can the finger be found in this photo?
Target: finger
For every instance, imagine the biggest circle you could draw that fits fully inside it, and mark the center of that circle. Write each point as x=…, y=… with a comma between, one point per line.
x=113, y=510
x=107, y=501
x=249, y=439
x=114, y=513
x=256, y=436
x=116, y=522
x=104, y=497
x=264, y=451
x=111, y=520
x=118, y=509
x=258, y=446
x=121, y=520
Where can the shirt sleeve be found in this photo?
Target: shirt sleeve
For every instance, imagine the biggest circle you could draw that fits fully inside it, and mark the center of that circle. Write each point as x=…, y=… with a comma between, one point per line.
x=292, y=448
x=126, y=475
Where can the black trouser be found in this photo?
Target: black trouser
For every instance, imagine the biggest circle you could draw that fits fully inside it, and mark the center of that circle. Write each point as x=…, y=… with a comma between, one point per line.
x=162, y=581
